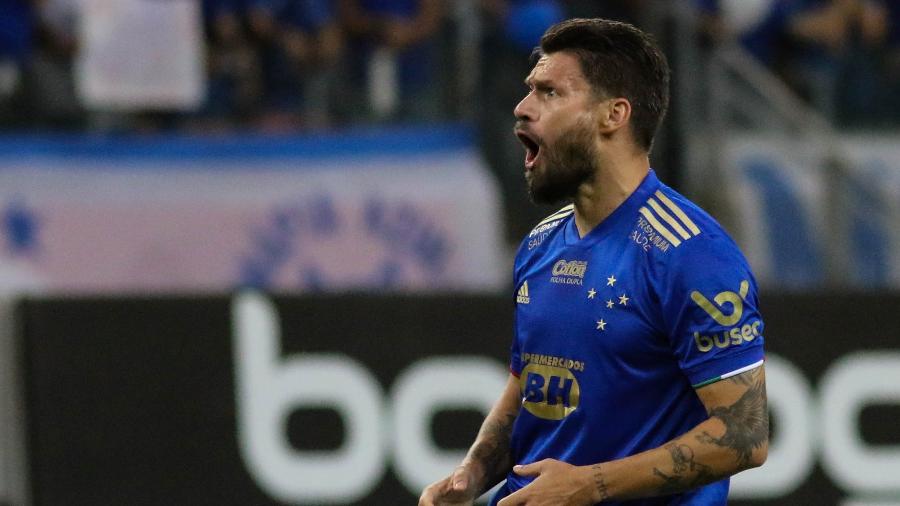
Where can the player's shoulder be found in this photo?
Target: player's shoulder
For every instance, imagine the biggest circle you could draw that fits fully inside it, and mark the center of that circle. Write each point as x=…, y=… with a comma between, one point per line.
x=552, y=220
x=538, y=238
x=679, y=232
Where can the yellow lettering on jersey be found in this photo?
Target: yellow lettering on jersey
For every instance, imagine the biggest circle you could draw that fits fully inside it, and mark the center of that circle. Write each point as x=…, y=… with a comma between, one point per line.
x=735, y=299
x=548, y=392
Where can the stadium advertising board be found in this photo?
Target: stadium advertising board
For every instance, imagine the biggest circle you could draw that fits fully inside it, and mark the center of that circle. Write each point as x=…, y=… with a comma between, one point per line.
x=362, y=400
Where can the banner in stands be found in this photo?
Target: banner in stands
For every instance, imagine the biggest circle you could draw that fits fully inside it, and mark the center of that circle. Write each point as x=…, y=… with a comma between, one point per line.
x=807, y=207
x=409, y=210
x=137, y=56
x=363, y=400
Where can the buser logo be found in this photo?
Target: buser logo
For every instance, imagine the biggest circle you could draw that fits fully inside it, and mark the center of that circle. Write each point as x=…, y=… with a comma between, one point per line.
x=735, y=299
x=734, y=336
x=522, y=297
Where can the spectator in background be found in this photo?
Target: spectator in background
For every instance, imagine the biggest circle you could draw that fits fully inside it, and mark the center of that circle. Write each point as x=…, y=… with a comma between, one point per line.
x=890, y=67
x=827, y=50
x=234, y=88
x=760, y=26
x=391, y=64
x=299, y=45
x=50, y=80
x=16, y=34
x=836, y=43
x=866, y=87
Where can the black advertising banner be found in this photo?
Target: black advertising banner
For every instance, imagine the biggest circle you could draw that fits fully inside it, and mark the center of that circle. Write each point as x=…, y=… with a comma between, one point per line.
x=136, y=401
x=253, y=400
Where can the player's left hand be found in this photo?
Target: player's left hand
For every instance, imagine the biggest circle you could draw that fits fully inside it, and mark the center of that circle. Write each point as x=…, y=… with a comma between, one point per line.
x=557, y=483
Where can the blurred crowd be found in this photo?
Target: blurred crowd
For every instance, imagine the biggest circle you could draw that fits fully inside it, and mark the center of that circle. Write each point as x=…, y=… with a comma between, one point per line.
x=843, y=56
x=288, y=63
x=275, y=65
x=284, y=65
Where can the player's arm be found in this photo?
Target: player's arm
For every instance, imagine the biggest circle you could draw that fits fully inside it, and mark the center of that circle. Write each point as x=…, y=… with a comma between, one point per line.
x=734, y=437
x=488, y=460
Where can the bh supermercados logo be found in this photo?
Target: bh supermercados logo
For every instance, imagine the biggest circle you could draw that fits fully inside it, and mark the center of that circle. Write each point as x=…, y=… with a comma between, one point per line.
x=569, y=272
x=550, y=392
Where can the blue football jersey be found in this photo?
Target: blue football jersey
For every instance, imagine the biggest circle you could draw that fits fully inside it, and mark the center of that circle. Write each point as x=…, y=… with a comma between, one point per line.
x=615, y=330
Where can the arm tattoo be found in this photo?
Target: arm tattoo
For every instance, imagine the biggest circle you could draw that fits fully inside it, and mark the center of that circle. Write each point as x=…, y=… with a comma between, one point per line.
x=743, y=379
x=746, y=429
x=600, y=482
x=746, y=421
x=686, y=472
x=493, y=448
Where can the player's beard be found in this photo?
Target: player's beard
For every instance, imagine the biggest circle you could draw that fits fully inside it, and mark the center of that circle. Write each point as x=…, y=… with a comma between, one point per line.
x=569, y=163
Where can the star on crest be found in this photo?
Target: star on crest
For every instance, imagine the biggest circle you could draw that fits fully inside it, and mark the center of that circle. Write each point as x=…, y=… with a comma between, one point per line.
x=591, y=293
x=623, y=300
x=610, y=304
x=601, y=325
x=611, y=281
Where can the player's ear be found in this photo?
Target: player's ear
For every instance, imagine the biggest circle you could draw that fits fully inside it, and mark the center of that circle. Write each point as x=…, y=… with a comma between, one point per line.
x=614, y=114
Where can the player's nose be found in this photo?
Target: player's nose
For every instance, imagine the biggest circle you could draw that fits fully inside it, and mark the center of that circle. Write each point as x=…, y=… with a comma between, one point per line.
x=525, y=110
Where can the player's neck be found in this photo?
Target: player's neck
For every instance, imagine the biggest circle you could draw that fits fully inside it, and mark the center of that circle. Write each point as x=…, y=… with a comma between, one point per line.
x=617, y=178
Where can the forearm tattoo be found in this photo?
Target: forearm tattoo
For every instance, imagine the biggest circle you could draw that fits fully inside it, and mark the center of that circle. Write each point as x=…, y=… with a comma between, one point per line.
x=746, y=421
x=686, y=472
x=492, y=449
x=600, y=482
x=746, y=429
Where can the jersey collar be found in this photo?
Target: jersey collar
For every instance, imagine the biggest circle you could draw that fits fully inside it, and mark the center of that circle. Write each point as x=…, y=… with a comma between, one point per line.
x=625, y=211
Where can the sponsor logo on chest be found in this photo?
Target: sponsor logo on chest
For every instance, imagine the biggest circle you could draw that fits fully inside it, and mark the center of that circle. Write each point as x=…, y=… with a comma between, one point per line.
x=568, y=272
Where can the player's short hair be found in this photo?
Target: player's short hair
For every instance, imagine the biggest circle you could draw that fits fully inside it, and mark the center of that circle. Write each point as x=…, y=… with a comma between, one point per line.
x=618, y=60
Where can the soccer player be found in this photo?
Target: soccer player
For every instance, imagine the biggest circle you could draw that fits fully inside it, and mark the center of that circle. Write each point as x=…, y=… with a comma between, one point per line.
x=637, y=362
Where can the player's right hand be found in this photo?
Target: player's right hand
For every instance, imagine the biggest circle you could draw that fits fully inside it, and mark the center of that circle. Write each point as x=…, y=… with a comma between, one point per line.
x=458, y=489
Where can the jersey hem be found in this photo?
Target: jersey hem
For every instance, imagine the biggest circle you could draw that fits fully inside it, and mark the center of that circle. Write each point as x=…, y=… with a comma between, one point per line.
x=715, y=367
x=730, y=374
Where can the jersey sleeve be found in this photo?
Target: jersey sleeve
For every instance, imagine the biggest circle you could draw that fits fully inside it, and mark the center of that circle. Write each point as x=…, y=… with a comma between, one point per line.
x=515, y=354
x=711, y=312
x=515, y=358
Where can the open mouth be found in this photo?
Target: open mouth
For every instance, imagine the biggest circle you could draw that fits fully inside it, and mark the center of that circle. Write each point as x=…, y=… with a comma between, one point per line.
x=532, y=147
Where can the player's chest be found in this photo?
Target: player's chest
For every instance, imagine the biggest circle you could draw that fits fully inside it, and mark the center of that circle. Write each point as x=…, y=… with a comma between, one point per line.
x=579, y=301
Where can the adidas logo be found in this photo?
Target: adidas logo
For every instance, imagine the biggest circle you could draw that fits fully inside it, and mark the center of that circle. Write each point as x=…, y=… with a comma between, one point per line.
x=522, y=296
